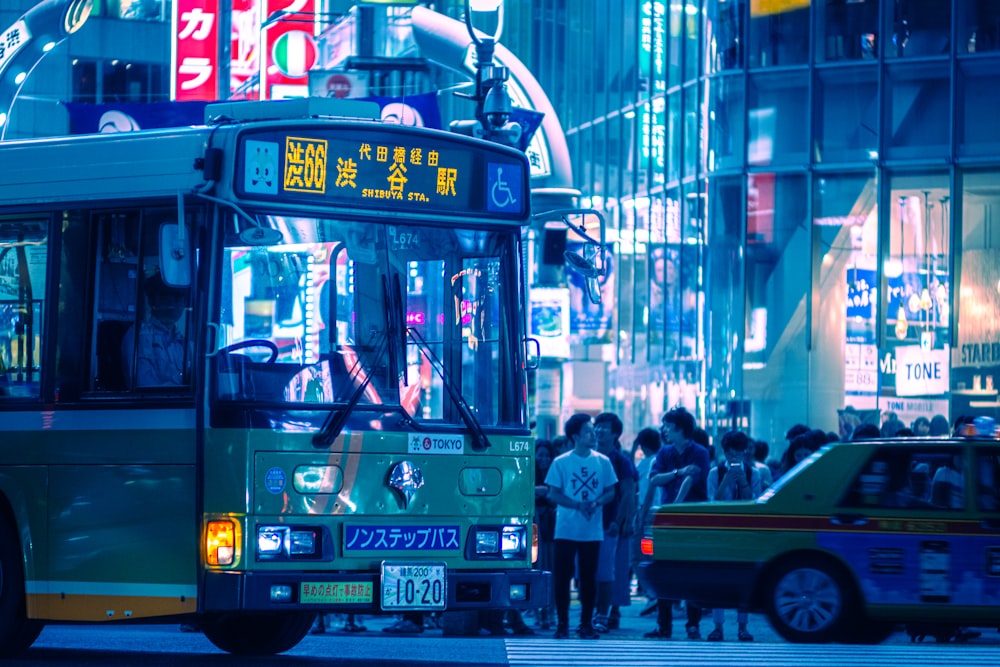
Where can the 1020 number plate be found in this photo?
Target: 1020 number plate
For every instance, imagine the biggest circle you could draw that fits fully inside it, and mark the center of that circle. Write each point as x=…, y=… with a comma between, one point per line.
x=414, y=585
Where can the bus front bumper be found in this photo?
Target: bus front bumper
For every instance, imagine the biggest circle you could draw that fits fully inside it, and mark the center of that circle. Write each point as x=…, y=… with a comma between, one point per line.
x=466, y=590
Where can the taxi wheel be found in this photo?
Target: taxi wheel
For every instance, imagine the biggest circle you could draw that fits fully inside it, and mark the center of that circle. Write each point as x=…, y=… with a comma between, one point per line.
x=809, y=601
x=17, y=631
x=257, y=634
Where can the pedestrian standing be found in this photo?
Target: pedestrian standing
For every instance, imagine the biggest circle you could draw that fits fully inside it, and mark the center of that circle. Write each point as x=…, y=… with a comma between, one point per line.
x=580, y=482
x=613, y=575
x=680, y=464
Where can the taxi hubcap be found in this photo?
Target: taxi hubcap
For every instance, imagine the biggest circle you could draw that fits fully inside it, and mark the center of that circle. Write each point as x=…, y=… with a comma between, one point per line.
x=808, y=599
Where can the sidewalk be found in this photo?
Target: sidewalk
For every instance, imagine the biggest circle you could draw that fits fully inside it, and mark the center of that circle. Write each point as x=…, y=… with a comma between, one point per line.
x=633, y=626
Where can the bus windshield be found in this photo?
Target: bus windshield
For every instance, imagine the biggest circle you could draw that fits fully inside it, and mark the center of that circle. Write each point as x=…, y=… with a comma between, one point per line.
x=330, y=312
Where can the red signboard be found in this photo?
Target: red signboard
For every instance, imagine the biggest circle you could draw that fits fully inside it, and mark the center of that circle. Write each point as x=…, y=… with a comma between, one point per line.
x=290, y=49
x=195, y=66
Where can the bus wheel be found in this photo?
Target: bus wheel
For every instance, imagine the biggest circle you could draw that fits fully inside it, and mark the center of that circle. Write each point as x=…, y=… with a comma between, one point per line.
x=17, y=632
x=257, y=634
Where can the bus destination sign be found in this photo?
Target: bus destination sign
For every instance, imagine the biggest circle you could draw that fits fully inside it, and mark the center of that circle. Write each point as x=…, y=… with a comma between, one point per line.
x=381, y=170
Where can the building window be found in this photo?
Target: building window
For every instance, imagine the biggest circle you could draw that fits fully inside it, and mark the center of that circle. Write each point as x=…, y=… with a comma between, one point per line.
x=978, y=132
x=85, y=81
x=975, y=373
x=723, y=35
x=978, y=28
x=724, y=136
x=118, y=81
x=917, y=340
x=133, y=10
x=918, y=28
x=845, y=114
x=917, y=118
x=842, y=286
x=779, y=33
x=846, y=30
x=777, y=105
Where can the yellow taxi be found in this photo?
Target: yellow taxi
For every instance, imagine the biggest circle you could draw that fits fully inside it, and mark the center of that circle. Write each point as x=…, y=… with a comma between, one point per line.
x=857, y=541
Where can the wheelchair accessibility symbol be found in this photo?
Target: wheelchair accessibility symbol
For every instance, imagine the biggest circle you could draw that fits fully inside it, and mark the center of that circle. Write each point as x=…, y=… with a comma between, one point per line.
x=504, y=188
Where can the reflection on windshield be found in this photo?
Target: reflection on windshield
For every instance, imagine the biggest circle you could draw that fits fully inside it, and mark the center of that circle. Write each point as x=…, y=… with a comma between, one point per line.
x=321, y=318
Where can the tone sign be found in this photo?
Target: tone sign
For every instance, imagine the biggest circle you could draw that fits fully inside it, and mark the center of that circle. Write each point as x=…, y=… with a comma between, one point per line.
x=921, y=372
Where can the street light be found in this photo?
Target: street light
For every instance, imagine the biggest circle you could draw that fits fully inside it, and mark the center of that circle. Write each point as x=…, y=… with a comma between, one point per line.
x=493, y=104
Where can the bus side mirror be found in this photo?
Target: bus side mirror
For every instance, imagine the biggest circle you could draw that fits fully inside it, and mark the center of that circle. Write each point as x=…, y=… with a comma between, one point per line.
x=175, y=255
x=587, y=268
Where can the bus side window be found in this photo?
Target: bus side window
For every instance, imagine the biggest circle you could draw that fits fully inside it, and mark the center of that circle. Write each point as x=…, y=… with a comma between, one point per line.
x=141, y=327
x=117, y=289
x=23, y=265
x=988, y=473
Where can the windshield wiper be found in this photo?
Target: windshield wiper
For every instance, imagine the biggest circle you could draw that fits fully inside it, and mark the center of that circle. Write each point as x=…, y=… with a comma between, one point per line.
x=479, y=440
x=335, y=422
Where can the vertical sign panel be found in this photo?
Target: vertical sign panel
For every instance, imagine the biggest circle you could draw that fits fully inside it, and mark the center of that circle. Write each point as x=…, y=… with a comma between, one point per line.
x=244, y=63
x=195, y=73
x=652, y=120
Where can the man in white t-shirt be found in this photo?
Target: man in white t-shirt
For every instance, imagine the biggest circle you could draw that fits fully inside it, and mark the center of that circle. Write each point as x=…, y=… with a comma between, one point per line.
x=580, y=482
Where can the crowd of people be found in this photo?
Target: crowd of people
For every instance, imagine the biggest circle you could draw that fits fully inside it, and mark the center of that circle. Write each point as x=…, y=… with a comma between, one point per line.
x=593, y=498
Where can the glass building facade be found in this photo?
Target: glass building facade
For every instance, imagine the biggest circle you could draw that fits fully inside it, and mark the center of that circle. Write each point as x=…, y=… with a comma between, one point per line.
x=801, y=200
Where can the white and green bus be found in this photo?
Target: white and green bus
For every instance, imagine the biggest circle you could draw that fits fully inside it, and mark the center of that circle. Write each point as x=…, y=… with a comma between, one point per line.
x=263, y=368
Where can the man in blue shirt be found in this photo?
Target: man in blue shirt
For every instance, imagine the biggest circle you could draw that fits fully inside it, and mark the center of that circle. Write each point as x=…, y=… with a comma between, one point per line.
x=679, y=460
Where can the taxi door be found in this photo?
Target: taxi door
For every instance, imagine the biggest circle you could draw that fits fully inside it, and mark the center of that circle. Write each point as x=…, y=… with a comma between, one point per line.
x=904, y=527
x=987, y=498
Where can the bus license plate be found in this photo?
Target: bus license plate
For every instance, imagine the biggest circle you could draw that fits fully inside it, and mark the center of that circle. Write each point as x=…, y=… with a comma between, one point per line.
x=414, y=585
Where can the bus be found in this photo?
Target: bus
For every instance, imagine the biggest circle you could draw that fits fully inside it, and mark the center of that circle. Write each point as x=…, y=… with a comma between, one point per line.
x=260, y=369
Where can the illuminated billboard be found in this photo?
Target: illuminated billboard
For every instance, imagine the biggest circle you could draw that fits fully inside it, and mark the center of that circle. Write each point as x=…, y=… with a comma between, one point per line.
x=194, y=67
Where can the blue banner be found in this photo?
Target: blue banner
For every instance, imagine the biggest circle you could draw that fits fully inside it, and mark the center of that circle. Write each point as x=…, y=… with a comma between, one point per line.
x=132, y=116
x=402, y=538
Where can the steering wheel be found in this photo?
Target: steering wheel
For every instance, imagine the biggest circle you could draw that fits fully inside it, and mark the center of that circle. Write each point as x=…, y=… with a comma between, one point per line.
x=254, y=342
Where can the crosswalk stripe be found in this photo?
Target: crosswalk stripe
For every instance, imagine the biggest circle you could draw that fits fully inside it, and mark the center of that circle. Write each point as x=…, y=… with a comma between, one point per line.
x=607, y=653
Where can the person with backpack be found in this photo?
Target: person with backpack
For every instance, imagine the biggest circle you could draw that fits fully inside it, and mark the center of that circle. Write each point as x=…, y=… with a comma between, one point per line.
x=734, y=478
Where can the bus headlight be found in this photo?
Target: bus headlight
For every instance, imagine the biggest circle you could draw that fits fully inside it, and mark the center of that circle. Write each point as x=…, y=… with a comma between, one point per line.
x=487, y=542
x=270, y=540
x=302, y=543
x=513, y=540
x=284, y=542
x=506, y=542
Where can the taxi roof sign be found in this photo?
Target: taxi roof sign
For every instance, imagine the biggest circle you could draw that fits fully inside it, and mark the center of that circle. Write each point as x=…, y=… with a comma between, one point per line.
x=980, y=426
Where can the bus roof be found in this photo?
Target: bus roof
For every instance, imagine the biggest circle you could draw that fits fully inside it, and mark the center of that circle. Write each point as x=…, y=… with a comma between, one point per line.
x=66, y=169
x=315, y=152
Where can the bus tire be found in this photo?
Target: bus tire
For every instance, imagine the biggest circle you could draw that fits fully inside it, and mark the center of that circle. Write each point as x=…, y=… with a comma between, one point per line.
x=17, y=631
x=257, y=634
